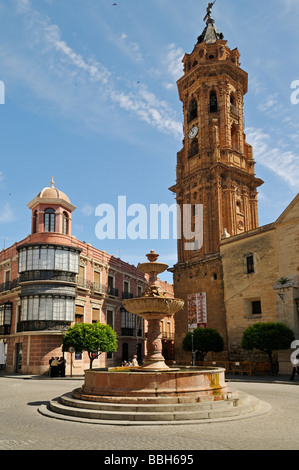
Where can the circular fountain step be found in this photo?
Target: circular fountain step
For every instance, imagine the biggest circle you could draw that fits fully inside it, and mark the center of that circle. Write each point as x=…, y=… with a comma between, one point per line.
x=69, y=408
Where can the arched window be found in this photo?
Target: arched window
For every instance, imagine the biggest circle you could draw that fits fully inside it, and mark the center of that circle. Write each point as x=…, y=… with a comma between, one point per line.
x=193, y=148
x=65, y=223
x=49, y=220
x=192, y=110
x=238, y=205
x=34, y=222
x=233, y=107
x=125, y=352
x=213, y=102
x=234, y=137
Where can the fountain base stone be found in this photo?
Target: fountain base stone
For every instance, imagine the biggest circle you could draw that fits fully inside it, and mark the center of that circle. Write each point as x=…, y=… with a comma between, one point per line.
x=126, y=396
x=129, y=385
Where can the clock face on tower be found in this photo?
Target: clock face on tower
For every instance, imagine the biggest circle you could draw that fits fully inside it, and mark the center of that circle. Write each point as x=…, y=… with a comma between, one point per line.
x=193, y=132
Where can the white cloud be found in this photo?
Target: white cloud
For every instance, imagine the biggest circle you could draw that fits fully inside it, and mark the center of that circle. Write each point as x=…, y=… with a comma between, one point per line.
x=269, y=103
x=22, y=5
x=283, y=163
x=255, y=85
x=131, y=48
x=149, y=109
x=174, y=60
x=53, y=78
x=87, y=210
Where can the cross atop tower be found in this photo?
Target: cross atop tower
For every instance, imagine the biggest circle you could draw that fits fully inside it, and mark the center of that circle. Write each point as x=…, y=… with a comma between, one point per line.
x=210, y=34
x=209, y=11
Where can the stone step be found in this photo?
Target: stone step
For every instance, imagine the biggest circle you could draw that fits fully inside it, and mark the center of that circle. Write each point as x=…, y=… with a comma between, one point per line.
x=69, y=400
x=249, y=406
x=152, y=399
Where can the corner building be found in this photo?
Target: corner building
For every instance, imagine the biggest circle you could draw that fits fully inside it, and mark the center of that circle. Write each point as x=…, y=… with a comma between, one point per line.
x=51, y=280
x=215, y=168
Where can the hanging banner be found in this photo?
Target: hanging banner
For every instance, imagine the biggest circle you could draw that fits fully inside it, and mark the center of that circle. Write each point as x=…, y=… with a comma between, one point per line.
x=197, y=310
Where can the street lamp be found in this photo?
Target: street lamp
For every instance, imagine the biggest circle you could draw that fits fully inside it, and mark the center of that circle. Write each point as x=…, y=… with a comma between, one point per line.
x=191, y=330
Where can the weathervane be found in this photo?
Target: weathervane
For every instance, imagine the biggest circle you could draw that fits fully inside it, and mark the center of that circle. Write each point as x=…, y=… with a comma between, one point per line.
x=209, y=11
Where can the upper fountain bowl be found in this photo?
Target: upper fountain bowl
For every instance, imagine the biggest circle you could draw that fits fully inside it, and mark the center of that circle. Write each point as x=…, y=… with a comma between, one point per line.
x=152, y=267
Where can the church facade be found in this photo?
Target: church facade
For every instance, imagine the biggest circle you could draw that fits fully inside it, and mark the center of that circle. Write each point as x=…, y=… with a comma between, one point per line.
x=216, y=171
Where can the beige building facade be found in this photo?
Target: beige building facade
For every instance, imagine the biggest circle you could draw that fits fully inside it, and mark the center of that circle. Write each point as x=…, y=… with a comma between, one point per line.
x=260, y=272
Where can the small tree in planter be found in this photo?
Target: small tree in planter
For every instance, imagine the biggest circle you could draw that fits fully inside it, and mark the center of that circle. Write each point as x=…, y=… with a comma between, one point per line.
x=204, y=341
x=94, y=338
x=267, y=337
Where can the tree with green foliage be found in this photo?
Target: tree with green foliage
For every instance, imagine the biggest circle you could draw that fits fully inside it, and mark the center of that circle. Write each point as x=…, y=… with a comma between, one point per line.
x=267, y=337
x=95, y=338
x=204, y=341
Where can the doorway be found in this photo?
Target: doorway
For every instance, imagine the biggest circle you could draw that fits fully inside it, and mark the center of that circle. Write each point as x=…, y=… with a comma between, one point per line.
x=3, y=355
x=125, y=352
x=19, y=355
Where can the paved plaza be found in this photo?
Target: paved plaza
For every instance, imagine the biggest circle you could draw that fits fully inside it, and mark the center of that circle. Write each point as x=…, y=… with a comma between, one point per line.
x=24, y=428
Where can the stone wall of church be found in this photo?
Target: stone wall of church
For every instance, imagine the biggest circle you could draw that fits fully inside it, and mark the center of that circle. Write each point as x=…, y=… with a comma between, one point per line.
x=204, y=276
x=247, y=287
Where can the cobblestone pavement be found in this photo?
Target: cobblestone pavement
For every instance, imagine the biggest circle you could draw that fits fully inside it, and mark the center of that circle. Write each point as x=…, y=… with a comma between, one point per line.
x=24, y=428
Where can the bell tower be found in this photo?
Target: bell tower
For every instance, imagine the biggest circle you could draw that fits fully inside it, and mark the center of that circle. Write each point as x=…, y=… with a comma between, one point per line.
x=215, y=167
x=215, y=172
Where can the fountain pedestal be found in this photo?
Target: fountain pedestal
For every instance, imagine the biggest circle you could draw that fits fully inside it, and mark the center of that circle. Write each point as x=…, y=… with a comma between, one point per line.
x=154, y=358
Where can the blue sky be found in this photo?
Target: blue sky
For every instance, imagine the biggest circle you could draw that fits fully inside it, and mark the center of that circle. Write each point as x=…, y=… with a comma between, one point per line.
x=91, y=99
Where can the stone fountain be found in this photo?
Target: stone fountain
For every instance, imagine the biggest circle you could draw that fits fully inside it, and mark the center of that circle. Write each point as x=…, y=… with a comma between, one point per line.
x=154, y=393
x=153, y=306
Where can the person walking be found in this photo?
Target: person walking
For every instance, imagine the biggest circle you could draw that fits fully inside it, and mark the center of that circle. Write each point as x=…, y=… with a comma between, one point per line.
x=295, y=368
x=61, y=367
x=54, y=367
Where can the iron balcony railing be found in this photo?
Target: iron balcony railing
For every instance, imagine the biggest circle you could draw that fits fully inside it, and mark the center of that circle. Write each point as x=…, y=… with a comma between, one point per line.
x=127, y=331
x=9, y=285
x=5, y=329
x=167, y=336
x=127, y=295
x=113, y=291
x=100, y=288
x=83, y=283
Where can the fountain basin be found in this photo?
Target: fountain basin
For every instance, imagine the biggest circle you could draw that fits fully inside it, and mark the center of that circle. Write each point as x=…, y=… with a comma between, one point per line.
x=153, y=305
x=137, y=386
